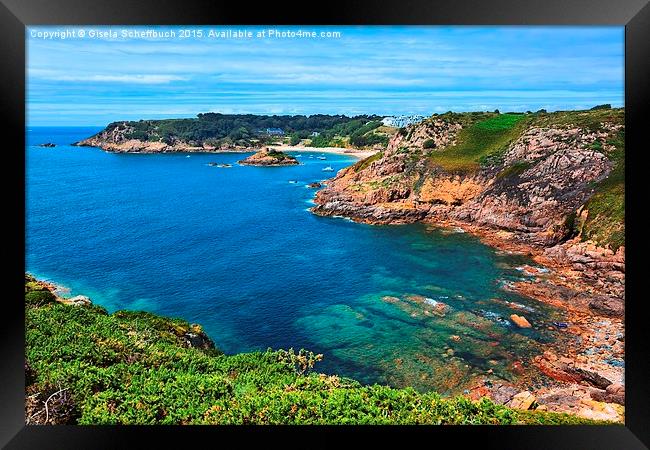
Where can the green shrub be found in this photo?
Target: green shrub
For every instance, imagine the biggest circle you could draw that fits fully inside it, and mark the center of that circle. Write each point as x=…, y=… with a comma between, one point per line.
x=604, y=106
x=134, y=368
x=605, y=221
x=35, y=298
x=429, y=143
x=359, y=166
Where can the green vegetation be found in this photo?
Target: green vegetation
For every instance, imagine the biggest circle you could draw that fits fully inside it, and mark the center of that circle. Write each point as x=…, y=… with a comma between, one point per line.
x=358, y=133
x=280, y=156
x=429, y=143
x=605, y=221
x=591, y=120
x=240, y=129
x=367, y=161
x=138, y=368
x=604, y=106
x=38, y=296
x=514, y=170
x=484, y=136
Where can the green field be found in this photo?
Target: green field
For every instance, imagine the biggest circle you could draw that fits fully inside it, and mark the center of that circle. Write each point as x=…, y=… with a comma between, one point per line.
x=478, y=141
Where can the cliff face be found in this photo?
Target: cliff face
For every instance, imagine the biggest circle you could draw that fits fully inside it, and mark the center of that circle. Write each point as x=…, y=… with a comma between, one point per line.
x=541, y=179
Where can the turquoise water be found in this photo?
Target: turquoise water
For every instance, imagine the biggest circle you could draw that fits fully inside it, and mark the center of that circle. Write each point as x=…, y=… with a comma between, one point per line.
x=236, y=250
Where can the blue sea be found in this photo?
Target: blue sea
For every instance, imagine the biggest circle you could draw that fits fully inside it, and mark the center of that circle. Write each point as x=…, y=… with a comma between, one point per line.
x=237, y=250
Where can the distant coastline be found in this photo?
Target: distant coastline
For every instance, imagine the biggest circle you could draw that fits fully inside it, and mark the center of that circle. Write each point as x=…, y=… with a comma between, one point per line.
x=241, y=133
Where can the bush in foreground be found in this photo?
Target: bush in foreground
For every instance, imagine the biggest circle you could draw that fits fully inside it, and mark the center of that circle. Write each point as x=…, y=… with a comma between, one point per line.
x=139, y=368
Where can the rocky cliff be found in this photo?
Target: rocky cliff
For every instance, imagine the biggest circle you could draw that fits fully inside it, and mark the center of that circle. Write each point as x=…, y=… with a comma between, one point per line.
x=547, y=185
x=552, y=182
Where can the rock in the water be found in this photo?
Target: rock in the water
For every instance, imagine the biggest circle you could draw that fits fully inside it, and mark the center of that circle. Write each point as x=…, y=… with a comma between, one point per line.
x=524, y=400
x=314, y=185
x=47, y=144
x=520, y=321
x=269, y=157
x=592, y=377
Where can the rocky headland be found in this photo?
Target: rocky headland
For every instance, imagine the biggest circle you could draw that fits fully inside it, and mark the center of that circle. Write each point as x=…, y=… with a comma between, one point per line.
x=214, y=132
x=269, y=157
x=546, y=185
x=121, y=139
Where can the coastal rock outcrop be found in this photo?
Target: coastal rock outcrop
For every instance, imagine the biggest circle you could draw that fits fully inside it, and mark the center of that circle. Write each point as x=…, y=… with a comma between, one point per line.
x=197, y=338
x=78, y=300
x=269, y=157
x=123, y=138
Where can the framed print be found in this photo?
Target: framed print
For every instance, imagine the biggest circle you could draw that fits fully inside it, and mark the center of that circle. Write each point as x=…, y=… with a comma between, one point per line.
x=380, y=218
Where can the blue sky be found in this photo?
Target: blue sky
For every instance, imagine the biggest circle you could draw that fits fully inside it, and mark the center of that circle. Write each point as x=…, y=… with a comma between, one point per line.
x=368, y=69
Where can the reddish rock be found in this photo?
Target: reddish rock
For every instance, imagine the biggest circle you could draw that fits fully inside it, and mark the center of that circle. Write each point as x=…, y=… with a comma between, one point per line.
x=518, y=368
x=520, y=321
x=524, y=400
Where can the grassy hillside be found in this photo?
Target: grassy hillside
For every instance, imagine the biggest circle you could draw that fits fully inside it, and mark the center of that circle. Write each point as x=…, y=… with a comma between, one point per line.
x=91, y=367
x=483, y=136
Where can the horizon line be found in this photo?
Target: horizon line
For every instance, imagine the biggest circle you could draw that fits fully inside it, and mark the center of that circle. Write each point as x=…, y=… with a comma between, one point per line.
x=323, y=114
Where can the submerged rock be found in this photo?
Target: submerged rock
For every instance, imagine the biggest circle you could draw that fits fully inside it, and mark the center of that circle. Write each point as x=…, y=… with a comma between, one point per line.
x=614, y=393
x=502, y=393
x=520, y=321
x=47, y=144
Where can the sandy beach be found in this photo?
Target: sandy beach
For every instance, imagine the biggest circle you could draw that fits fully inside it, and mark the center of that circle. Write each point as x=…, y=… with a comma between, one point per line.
x=337, y=150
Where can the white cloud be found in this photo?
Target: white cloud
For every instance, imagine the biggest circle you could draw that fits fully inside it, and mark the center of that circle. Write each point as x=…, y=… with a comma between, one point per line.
x=130, y=78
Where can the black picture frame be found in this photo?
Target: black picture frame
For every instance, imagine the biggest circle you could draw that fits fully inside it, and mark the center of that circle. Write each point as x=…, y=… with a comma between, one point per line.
x=15, y=15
